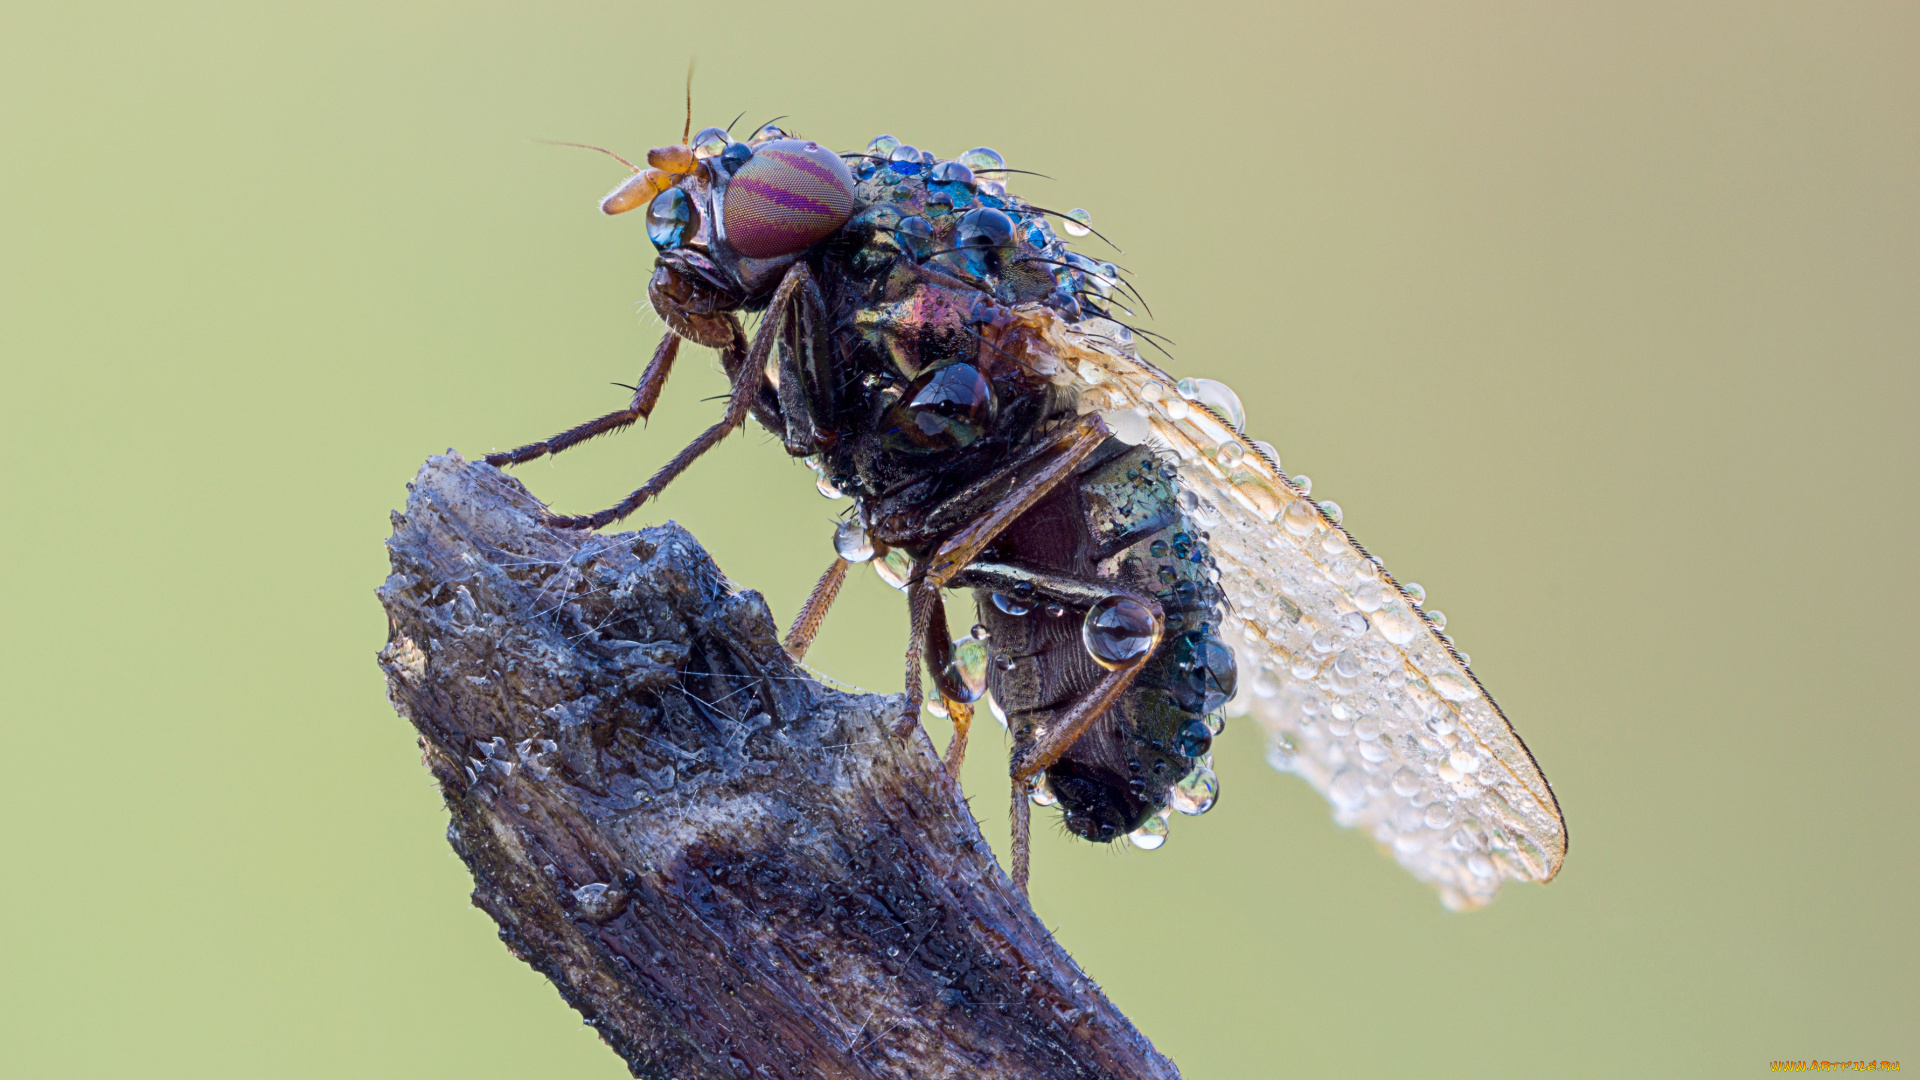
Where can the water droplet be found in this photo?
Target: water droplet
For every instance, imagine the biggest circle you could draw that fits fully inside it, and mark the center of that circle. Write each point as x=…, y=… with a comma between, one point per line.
x=1130, y=426
x=599, y=901
x=1304, y=483
x=767, y=133
x=1304, y=666
x=1324, y=642
x=951, y=172
x=1281, y=754
x=1331, y=509
x=1438, y=619
x=1353, y=624
x=1463, y=839
x=1348, y=789
x=1267, y=450
x=827, y=488
x=1300, y=518
x=979, y=632
x=1077, y=222
x=1397, y=623
x=1480, y=865
x=1217, y=396
x=1176, y=408
x=1464, y=759
x=1196, y=792
x=1464, y=658
x=985, y=162
x=1216, y=723
x=914, y=234
x=1151, y=835
x=965, y=678
x=851, y=542
x=1451, y=686
x=906, y=154
x=710, y=141
x=1415, y=591
x=1367, y=597
x=1009, y=605
x=1054, y=611
x=1042, y=794
x=883, y=145
x=1157, y=549
x=1438, y=816
x=1367, y=727
x=1439, y=722
x=1230, y=453
x=1405, y=782
x=1347, y=664
x=1194, y=740
x=894, y=568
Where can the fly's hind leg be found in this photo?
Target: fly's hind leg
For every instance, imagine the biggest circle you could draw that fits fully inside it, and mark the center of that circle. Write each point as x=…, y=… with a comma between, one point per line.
x=1076, y=445
x=646, y=394
x=1136, y=624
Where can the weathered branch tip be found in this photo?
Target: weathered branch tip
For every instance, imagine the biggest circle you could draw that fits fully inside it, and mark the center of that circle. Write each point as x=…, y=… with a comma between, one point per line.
x=729, y=869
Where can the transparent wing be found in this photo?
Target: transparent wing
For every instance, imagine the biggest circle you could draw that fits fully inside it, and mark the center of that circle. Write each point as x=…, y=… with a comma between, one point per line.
x=1357, y=690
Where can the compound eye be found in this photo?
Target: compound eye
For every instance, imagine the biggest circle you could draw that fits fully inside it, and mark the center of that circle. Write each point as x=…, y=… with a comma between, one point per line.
x=671, y=219
x=787, y=197
x=947, y=408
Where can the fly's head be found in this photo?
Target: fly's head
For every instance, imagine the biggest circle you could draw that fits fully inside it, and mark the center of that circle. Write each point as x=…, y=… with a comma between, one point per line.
x=728, y=218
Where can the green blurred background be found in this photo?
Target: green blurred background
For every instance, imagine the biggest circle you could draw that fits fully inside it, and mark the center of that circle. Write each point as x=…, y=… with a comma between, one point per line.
x=1599, y=320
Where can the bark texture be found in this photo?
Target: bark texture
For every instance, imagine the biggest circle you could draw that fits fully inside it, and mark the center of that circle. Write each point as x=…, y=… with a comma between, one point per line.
x=729, y=869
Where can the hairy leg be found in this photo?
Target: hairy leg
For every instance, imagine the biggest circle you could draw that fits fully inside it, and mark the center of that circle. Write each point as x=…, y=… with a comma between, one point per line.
x=746, y=389
x=646, y=394
x=807, y=623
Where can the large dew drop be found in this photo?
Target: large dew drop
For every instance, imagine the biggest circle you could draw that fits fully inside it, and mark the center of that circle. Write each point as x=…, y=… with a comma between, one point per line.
x=1217, y=396
x=1078, y=222
x=1117, y=630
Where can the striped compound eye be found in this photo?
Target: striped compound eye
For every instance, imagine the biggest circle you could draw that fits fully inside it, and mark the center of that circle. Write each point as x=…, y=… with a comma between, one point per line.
x=789, y=196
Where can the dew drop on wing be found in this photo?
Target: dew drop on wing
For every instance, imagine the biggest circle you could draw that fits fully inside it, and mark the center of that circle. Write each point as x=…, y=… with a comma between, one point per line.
x=1217, y=396
x=882, y=145
x=985, y=162
x=1077, y=222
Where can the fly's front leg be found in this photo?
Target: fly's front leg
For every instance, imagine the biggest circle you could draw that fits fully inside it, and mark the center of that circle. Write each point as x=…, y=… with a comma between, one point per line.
x=804, y=409
x=646, y=394
x=749, y=376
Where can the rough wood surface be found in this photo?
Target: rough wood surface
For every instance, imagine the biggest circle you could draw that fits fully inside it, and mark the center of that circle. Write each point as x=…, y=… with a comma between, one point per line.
x=728, y=868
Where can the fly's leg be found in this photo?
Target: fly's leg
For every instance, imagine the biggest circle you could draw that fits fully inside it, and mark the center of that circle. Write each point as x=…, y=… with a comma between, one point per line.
x=939, y=662
x=1031, y=759
x=802, y=402
x=646, y=394
x=1022, y=833
x=807, y=623
x=963, y=547
x=746, y=389
x=961, y=714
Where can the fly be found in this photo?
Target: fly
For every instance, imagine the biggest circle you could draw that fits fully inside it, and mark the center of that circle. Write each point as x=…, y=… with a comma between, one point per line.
x=1140, y=568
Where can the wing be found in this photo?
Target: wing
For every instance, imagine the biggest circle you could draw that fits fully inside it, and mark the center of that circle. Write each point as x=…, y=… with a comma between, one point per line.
x=1358, y=691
